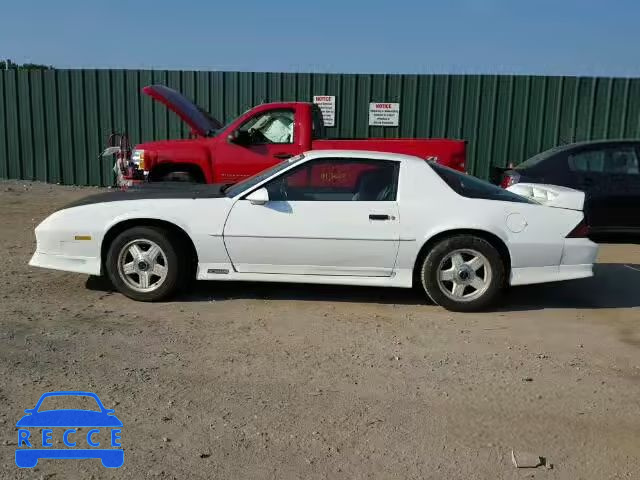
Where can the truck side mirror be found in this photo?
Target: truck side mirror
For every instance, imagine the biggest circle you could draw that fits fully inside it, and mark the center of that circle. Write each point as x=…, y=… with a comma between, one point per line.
x=240, y=137
x=233, y=136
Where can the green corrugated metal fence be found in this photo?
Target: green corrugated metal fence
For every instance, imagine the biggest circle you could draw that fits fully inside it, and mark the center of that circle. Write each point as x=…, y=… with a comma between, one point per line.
x=54, y=123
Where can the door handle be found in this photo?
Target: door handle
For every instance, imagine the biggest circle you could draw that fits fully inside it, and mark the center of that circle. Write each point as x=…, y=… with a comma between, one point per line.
x=375, y=216
x=283, y=156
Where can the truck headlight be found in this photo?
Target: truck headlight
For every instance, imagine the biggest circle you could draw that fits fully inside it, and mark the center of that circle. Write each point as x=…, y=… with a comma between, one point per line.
x=137, y=158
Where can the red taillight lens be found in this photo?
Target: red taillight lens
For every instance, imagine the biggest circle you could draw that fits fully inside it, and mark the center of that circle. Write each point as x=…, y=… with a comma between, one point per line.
x=509, y=179
x=458, y=162
x=580, y=231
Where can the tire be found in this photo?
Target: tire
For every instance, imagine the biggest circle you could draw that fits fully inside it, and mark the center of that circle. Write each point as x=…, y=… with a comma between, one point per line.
x=463, y=273
x=129, y=263
x=185, y=177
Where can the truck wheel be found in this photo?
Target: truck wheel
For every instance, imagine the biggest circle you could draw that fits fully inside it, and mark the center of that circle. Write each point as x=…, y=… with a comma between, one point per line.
x=143, y=264
x=186, y=177
x=463, y=273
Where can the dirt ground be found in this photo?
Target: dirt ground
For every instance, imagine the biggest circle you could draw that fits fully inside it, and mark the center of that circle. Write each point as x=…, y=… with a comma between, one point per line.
x=251, y=381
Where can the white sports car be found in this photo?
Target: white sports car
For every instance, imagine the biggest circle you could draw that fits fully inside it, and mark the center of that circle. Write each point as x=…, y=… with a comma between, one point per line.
x=332, y=217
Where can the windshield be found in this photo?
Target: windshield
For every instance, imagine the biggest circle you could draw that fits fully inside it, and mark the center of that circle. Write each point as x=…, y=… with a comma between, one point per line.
x=250, y=182
x=212, y=132
x=225, y=126
x=473, y=187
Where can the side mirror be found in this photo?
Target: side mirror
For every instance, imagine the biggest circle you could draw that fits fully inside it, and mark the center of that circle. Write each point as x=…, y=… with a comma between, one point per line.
x=233, y=136
x=240, y=137
x=29, y=410
x=259, y=197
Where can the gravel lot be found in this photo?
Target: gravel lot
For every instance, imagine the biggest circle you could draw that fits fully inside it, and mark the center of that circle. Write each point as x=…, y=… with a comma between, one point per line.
x=281, y=381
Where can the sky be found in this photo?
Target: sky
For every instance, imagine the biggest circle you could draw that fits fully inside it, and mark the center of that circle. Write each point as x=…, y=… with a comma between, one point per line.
x=561, y=37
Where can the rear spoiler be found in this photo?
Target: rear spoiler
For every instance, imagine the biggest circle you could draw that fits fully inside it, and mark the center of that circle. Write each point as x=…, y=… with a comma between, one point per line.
x=550, y=195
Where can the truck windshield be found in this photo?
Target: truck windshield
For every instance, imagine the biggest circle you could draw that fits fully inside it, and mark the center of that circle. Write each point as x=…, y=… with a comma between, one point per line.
x=250, y=182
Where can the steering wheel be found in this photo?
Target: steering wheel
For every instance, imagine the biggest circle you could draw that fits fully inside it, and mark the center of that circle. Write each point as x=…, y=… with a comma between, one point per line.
x=257, y=137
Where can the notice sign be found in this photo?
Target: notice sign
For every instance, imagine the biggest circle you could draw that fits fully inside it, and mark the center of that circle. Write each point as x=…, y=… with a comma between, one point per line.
x=327, y=104
x=384, y=114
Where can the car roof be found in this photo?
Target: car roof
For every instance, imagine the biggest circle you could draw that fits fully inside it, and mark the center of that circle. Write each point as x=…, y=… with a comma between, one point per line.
x=587, y=143
x=536, y=159
x=373, y=155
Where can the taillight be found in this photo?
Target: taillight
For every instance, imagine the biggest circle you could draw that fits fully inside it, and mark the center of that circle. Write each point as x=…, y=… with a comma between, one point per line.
x=580, y=231
x=509, y=179
x=458, y=161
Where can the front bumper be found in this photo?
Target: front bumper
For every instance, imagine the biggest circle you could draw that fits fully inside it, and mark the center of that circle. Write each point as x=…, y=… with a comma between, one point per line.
x=132, y=176
x=86, y=265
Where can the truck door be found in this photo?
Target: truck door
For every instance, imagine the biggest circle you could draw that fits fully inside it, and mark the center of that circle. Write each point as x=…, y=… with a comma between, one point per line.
x=268, y=137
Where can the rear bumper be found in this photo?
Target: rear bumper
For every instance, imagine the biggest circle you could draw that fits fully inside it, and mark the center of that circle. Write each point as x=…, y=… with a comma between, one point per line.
x=578, y=257
x=528, y=275
x=86, y=265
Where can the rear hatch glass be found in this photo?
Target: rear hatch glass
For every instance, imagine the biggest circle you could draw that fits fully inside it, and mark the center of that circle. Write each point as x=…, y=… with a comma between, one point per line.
x=472, y=187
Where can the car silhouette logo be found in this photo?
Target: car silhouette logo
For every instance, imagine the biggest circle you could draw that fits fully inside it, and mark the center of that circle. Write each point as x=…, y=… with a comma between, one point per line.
x=34, y=444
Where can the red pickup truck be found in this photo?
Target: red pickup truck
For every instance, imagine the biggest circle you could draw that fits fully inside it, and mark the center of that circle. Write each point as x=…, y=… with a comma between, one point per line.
x=256, y=140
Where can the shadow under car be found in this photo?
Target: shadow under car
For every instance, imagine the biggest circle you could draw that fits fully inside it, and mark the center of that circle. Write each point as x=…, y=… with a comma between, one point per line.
x=614, y=285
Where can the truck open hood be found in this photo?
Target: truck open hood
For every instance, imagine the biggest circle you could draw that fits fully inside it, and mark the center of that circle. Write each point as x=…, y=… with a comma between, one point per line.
x=200, y=121
x=550, y=195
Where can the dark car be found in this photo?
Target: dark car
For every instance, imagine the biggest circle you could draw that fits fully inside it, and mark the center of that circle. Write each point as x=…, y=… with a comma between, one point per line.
x=606, y=170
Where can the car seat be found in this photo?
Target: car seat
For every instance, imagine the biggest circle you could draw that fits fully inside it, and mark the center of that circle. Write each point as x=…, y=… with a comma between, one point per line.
x=374, y=186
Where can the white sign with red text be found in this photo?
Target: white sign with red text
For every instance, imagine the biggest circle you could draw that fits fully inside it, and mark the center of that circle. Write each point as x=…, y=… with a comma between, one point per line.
x=384, y=114
x=327, y=104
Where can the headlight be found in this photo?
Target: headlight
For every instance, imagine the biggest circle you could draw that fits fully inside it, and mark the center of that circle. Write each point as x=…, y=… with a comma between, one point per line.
x=137, y=158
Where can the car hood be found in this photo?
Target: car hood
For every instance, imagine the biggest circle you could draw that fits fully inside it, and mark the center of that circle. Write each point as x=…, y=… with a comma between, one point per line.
x=159, y=191
x=69, y=418
x=201, y=122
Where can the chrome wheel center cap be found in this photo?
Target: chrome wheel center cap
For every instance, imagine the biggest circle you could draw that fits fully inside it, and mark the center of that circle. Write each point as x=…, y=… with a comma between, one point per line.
x=143, y=266
x=465, y=275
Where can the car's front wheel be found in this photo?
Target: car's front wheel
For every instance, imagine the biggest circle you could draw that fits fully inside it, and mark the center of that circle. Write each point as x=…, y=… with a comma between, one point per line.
x=143, y=264
x=463, y=273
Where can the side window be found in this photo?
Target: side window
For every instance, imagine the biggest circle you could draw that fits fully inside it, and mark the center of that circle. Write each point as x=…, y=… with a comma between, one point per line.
x=337, y=180
x=587, y=161
x=620, y=160
x=274, y=126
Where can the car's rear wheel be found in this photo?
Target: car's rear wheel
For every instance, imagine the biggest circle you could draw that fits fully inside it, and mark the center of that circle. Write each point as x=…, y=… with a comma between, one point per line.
x=463, y=273
x=143, y=264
